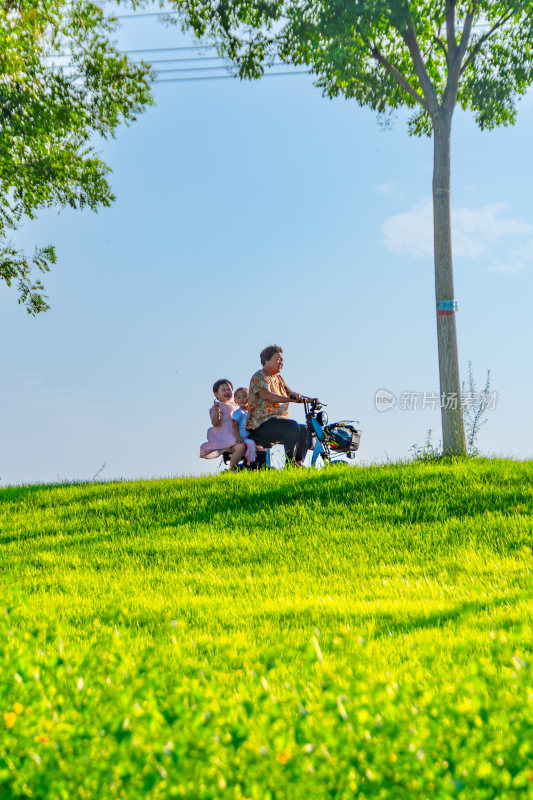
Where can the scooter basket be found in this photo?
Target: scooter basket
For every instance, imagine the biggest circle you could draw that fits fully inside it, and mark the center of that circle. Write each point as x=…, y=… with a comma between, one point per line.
x=342, y=438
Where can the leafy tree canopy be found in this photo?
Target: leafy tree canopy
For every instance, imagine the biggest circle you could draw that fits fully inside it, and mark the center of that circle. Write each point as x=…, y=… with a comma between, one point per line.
x=423, y=54
x=61, y=83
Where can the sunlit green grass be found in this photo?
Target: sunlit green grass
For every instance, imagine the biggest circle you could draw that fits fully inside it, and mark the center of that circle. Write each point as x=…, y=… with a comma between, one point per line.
x=349, y=595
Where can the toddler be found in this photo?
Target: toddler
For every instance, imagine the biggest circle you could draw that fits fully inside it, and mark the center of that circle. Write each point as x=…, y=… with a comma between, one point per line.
x=221, y=437
x=239, y=423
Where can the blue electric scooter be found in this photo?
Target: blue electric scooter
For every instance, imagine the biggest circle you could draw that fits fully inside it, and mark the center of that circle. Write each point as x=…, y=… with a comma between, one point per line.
x=334, y=442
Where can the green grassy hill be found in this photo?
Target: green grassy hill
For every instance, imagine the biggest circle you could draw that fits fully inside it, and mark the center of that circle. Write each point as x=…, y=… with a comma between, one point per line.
x=298, y=635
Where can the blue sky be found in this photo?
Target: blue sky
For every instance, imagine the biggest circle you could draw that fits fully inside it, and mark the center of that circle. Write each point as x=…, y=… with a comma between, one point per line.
x=251, y=214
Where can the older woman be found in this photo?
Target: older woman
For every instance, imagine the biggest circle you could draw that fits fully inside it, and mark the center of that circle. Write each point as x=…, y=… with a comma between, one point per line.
x=268, y=408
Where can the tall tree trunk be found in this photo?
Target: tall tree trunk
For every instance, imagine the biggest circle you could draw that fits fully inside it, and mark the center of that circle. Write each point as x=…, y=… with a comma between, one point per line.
x=453, y=437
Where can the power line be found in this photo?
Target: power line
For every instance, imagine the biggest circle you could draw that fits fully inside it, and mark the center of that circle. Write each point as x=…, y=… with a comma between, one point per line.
x=227, y=77
x=194, y=59
x=192, y=69
x=158, y=70
x=152, y=14
x=220, y=63
x=204, y=69
x=167, y=49
x=145, y=50
x=148, y=50
x=181, y=60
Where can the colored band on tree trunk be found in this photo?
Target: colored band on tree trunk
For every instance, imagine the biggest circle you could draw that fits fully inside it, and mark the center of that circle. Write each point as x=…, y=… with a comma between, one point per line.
x=446, y=308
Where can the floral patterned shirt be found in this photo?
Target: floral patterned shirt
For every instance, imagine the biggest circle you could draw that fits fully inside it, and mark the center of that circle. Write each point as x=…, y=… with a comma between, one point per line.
x=260, y=410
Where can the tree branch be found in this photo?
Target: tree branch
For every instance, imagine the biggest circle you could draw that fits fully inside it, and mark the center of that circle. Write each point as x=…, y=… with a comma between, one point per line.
x=450, y=28
x=400, y=79
x=454, y=65
x=411, y=40
x=467, y=30
x=482, y=39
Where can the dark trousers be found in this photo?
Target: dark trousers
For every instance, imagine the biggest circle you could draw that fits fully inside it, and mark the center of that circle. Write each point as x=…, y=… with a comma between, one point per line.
x=279, y=430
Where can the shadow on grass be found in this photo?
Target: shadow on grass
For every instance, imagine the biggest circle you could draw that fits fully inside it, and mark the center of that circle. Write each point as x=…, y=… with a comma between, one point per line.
x=331, y=499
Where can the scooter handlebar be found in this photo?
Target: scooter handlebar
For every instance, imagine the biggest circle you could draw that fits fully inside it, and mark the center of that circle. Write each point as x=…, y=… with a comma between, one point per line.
x=314, y=402
x=303, y=398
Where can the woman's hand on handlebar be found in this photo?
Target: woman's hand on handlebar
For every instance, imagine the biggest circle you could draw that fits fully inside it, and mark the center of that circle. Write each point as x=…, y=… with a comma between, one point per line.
x=313, y=401
x=297, y=398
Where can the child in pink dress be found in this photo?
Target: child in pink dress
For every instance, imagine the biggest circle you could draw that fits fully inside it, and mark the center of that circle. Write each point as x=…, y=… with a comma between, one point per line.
x=221, y=437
